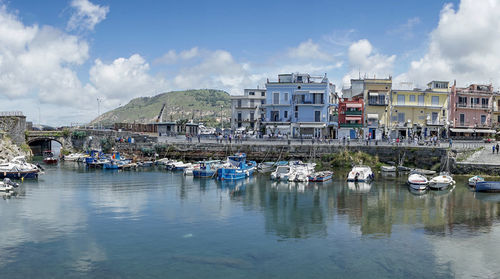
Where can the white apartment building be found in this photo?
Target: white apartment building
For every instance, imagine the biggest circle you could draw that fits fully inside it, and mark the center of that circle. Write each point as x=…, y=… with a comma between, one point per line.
x=247, y=110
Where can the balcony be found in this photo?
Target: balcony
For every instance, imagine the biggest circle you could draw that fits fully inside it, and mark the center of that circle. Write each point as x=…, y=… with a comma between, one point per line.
x=377, y=103
x=350, y=125
x=353, y=112
x=435, y=122
x=246, y=107
x=475, y=106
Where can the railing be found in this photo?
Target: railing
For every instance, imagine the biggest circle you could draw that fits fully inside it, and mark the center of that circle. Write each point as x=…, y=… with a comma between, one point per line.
x=377, y=103
x=11, y=113
x=350, y=125
x=435, y=122
x=353, y=112
x=475, y=106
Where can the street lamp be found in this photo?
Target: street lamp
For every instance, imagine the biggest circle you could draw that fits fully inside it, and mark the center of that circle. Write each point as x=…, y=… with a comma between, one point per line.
x=221, y=123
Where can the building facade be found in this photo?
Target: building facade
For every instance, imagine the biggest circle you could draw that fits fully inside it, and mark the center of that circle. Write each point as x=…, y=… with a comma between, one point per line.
x=351, y=117
x=299, y=105
x=247, y=111
x=471, y=111
x=421, y=113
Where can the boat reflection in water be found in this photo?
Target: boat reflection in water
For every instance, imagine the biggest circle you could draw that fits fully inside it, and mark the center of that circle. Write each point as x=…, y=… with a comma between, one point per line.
x=360, y=187
x=487, y=197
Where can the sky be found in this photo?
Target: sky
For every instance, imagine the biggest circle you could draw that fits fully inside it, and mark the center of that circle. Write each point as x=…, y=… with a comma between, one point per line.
x=58, y=58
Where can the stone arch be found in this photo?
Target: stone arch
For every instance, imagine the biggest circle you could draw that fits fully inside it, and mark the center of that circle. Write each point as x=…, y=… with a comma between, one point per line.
x=65, y=144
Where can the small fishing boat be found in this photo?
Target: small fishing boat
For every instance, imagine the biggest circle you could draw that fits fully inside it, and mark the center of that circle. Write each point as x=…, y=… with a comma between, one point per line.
x=145, y=164
x=360, y=174
x=49, y=158
x=207, y=169
x=403, y=168
x=423, y=172
x=321, y=176
x=388, y=168
x=475, y=179
x=270, y=166
x=281, y=173
x=418, y=181
x=189, y=170
x=442, y=181
x=73, y=157
x=299, y=174
x=7, y=185
x=180, y=166
x=488, y=186
x=238, y=168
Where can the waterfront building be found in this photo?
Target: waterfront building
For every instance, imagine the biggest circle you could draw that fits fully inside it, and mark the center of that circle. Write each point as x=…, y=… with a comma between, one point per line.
x=495, y=116
x=471, y=111
x=247, y=110
x=350, y=117
x=299, y=105
x=421, y=113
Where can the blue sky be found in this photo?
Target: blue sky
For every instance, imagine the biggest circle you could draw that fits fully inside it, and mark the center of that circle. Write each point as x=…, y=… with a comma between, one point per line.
x=118, y=50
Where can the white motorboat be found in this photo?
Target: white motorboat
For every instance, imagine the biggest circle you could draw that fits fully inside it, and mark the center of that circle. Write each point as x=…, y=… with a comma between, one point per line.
x=7, y=185
x=299, y=174
x=388, y=168
x=442, y=181
x=281, y=173
x=73, y=157
x=475, y=179
x=188, y=171
x=360, y=174
x=418, y=181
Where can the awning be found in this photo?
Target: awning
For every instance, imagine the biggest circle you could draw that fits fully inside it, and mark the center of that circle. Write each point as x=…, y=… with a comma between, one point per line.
x=485, y=131
x=353, y=105
x=355, y=118
x=318, y=125
x=372, y=94
x=372, y=116
x=458, y=130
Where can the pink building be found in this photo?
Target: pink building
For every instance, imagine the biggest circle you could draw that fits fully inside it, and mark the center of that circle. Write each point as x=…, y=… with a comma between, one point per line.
x=470, y=110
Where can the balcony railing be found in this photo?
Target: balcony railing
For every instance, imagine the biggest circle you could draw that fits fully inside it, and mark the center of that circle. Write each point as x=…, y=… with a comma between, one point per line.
x=475, y=106
x=353, y=112
x=350, y=125
x=377, y=103
x=435, y=122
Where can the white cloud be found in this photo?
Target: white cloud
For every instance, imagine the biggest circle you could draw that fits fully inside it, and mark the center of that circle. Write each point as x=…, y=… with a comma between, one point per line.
x=171, y=56
x=123, y=79
x=405, y=30
x=464, y=46
x=365, y=61
x=309, y=50
x=86, y=15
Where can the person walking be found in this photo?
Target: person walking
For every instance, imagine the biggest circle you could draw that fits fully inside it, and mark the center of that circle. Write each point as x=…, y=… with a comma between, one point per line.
x=493, y=148
x=497, y=147
x=451, y=143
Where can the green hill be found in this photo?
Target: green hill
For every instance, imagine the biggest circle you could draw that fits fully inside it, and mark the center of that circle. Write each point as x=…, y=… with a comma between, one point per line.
x=203, y=105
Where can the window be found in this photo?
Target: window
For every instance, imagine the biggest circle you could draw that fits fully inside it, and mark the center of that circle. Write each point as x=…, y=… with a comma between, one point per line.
x=474, y=102
x=262, y=94
x=462, y=102
x=239, y=116
x=462, y=119
x=252, y=103
x=420, y=100
x=412, y=98
x=434, y=117
x=498, y=118
x=275, y=115
x=285, y=97
x=252, y=116
x=483, y=119
x=317, y=116
x=239, y=103
x=285, y=115
x=401, y=99
x=484, y=103
x=276, y=98
x=401, y=117
x=251, y=93
x=263, y=102
x=435, y=100
x=381, y=99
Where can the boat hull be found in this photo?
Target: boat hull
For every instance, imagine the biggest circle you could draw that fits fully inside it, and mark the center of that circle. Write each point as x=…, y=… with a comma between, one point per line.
x=19, y=175
x=488, y=186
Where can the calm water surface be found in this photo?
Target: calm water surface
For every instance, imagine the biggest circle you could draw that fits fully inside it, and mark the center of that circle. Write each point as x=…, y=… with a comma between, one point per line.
x=106, y=224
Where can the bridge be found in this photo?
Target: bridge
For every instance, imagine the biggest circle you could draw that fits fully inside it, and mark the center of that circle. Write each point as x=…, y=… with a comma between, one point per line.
x=41, y=140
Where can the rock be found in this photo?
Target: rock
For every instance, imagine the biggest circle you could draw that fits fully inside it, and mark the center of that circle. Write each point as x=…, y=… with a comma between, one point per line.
x=9, y=150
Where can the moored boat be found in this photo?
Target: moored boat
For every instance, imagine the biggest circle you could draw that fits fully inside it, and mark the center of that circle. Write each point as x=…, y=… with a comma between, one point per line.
x=270, y=166
x=321, y=176
x=238, y=168
x=488, y=186
x=442, y=181
x=418, y=181
x=281, y=173
x=423, y=172
x=18, y=168
x=49, y=158
x=388, y=168
x=475, y=179
x=7, y=185
x=360, y=174
x=207, y=169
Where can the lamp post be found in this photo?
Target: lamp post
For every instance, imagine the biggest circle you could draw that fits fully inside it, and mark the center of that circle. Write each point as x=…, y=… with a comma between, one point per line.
x=221, y=121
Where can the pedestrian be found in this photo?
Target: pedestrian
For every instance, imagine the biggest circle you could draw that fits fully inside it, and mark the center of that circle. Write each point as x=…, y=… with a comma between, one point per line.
x=343, y=140
x=229, y=139
x=493, y=148
x=451, y=142
x=199, y=138
x=497, y=148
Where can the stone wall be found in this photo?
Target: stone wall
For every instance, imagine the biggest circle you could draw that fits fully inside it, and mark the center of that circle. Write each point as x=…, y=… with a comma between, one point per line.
x=14, y=126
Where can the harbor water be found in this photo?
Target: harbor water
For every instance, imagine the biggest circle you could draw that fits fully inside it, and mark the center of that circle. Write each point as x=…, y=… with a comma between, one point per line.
x=75, y=223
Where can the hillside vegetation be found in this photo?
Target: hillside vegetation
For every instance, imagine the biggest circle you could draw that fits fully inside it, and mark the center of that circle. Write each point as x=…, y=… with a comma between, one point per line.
x=203, y=105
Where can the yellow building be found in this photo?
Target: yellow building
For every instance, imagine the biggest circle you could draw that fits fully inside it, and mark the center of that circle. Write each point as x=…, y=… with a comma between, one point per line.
x=495, y=117
x=377, y=95
x=420, y=113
